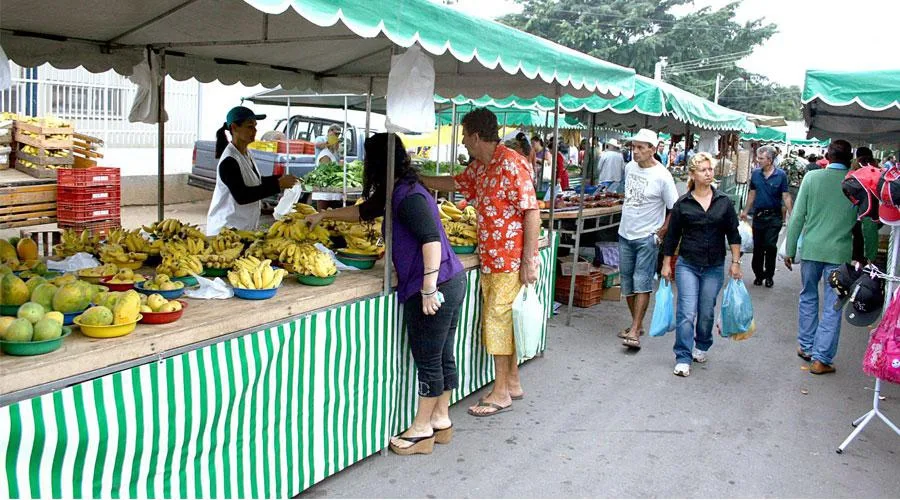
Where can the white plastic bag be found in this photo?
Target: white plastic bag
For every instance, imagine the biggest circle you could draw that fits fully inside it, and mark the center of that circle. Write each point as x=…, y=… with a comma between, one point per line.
x=527, y=321
x=5, y=73
x=147, y=77
x=410, y=93
x=746, y=237
x=287, y=201
x=340, y=265
x=80, y=260
x=209, y=289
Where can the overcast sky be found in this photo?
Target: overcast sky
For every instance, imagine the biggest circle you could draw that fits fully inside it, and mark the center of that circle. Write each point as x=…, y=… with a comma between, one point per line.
x=813, y=34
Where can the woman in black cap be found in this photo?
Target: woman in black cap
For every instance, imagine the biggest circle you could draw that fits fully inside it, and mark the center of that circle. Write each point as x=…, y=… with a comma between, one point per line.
x=240, y=189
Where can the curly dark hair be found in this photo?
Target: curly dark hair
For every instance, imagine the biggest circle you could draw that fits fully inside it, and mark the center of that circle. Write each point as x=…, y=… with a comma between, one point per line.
x=483, y=122
x=375, y=170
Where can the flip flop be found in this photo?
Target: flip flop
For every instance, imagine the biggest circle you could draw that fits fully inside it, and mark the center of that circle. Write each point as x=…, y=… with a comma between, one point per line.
x=484, y=404
x=423, y=445
x=520, y=397
x=624, y=333
x=632, y=343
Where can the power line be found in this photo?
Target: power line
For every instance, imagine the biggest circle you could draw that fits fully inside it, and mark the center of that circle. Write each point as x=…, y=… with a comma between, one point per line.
x=671, y=23
x=694, y=63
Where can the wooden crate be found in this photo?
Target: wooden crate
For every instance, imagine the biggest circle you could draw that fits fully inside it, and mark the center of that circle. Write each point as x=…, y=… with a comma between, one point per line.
x=36, y=172
x=44, y=159
x=27, y=205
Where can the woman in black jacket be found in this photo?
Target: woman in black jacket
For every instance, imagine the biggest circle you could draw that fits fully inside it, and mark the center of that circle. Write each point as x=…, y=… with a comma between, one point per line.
x=702, y=221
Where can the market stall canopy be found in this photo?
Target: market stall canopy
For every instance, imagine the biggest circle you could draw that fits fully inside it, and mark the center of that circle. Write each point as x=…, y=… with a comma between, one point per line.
x=766, y=121
x=781, y=135
x=283, y=97
x=327, y=46
x=703, y=113
x=515, y=117
x=863, y=105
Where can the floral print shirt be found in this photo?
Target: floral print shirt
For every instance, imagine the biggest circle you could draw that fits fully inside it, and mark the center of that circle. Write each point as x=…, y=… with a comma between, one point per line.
x=501, y=192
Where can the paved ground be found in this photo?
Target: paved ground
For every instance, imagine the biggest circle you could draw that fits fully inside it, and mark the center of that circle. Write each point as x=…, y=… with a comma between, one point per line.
x=598, y=422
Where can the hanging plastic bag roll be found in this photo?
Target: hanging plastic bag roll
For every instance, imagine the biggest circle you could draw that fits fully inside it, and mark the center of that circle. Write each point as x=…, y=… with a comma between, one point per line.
x=287, y=201
x=527, y=322
x=410, y=92
x=663, y=319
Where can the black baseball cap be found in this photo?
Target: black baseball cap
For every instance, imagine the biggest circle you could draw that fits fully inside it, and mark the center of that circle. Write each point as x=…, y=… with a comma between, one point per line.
x=238, y=114
x=842, y=280
x=866, y=301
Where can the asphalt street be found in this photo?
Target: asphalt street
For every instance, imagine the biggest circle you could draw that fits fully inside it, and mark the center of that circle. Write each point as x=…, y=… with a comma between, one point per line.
x=598, y=421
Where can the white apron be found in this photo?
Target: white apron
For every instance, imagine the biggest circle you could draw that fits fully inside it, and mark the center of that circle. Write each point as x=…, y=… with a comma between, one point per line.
x=224, y=211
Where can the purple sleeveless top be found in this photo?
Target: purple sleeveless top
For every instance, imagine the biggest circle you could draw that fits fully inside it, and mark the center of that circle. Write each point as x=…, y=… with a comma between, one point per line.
x=407, y=252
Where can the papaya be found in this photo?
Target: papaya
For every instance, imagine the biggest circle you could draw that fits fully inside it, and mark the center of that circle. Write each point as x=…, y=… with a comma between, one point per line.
x=8, y=252
x=27, y=249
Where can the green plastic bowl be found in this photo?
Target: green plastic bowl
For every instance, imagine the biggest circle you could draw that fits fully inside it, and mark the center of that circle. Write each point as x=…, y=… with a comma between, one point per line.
x=9, y=310
x=187, y=280
x=35, y=348
x=214, y=272
x=357, y=263
x=464, y=249
x=315, y=280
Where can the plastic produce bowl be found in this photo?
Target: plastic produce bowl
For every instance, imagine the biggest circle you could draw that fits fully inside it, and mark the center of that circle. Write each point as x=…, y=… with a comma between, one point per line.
x=157, y=318
x=464, y=249
x=166, y=294
x=95, y=280
x=357, y=263
x=33, y=348
x=187, y=280
x=214, y=272
x=250, y=294
x=133, y=265
x=118, y=287
x=9, y=310
x=69, y=318
x=107, y=332
x=306, y=279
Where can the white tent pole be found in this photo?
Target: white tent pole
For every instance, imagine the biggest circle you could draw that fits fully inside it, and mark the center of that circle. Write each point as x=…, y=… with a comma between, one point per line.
x=453, y=144
x=161, y=141
x=344, y=145
x=388, y=220
x=368, y=116
x=552, y=187
x=287, y=124
x=437, y=162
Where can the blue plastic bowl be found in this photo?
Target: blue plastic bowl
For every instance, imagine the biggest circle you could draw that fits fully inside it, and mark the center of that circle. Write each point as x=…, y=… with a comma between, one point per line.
x=248, y=294
x=69, y=318
x=166, y=294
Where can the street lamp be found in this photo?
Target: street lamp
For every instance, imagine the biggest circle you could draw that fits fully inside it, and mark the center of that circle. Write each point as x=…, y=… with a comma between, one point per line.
x=718, y=81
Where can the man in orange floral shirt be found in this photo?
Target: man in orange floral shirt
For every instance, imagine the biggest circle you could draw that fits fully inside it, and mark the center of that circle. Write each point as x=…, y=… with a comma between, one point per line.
x=499, y=184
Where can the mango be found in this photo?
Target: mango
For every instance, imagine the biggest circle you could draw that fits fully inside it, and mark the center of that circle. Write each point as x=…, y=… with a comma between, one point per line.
x=97, y=316
x=33, y=282
x=70, y=298
x=13, y=291
x=5, y=321
x=20, y=330
x=46, y=329
x=55, y=316
x=127, y=308
x=27, y=249
x=31, y=311
x=8, y=252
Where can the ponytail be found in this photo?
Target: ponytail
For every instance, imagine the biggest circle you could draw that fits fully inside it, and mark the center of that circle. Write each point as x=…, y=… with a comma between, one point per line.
x=221, y=140
x=690, y=184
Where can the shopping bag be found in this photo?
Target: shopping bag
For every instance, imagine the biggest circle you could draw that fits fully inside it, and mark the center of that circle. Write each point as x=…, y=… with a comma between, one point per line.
x=527, y=321
x=663, y=319
x=737, y=310
x=875, y=362
x=287, y=201
x=746, y=233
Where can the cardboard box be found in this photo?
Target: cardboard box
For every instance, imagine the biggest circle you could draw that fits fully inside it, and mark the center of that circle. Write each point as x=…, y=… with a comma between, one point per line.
x=584, y=267
x=612, y=293
x=611, y=276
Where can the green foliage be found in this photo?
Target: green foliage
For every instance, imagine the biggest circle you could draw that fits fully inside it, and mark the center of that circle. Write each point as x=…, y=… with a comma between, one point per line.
x=636, y=33
x=332, y=175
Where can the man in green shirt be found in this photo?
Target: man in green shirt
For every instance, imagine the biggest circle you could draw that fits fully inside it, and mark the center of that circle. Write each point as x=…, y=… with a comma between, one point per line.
x=825, y=218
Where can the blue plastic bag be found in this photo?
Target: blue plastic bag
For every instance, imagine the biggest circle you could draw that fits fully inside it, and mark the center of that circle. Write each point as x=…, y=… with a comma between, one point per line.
x=737, y=309
x=663, y=310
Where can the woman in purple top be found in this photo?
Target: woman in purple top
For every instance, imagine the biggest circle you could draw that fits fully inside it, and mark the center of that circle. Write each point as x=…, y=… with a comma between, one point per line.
x=431, y=285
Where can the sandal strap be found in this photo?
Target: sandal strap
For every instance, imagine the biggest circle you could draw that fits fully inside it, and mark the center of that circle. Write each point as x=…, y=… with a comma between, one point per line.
x=416, y=439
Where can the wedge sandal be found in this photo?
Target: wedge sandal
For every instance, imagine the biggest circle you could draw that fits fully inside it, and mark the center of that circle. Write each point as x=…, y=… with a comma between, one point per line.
x=443, y=436
x=422, y=445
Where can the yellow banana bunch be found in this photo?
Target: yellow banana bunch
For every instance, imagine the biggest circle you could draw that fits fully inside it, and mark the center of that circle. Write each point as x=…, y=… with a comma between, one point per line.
x=449, y=211
x=312, y=262
x=294, y=226
x=363, y=237
x=304, y=209
x=254, y=274
x=72, y=242
x=112, y=253
x=216, y=261
x=196, y=246
x=166, y=229
x=460, y=233
x=179, y=265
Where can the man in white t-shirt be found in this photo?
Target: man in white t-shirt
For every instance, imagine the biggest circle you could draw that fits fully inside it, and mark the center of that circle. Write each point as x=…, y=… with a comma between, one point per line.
x=611, y=166
x=649, y=195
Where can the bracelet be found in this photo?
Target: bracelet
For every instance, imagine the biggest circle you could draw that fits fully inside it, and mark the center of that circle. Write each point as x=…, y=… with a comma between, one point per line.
x=736, y=262
x=431, y=272
x=428, y=294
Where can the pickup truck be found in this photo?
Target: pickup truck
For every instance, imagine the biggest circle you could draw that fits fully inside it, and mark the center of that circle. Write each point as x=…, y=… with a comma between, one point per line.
x=203, y=169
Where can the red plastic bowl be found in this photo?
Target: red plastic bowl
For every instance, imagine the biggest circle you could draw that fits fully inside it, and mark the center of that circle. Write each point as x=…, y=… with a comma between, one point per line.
x=163, y=318
x=117, y=287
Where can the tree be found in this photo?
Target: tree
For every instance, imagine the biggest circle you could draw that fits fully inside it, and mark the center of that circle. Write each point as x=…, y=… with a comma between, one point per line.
x=636, y=33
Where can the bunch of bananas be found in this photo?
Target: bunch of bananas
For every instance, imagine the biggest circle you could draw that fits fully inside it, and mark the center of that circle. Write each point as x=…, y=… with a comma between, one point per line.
x=303, y=209
x=53, y=153
x=172, y=228
x=46, y=120
x=363, y=237
x=294, y=226
x=306, y=259
x=72, y=243
x=179, y=265
x=461, y=226
x=254, y=274
x=114, y=253
x=227, y=237
x=133, y=241
x=217, y=261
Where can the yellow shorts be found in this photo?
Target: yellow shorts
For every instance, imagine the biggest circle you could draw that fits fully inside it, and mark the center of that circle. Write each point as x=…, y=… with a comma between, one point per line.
x=499, y=290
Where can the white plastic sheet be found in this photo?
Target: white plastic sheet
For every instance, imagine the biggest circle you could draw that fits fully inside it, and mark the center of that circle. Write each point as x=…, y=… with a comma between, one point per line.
x=209, y=289
x=340, y=265
x=80, y=260
x=410, y=93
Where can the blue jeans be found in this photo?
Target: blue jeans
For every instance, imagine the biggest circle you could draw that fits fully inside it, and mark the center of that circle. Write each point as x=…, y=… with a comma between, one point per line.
x=637, y=264
x=698, y=288
x=818, y=337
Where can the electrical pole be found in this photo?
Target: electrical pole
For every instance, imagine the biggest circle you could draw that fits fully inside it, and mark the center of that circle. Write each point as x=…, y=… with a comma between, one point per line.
x=657, y=69
x=718, y=81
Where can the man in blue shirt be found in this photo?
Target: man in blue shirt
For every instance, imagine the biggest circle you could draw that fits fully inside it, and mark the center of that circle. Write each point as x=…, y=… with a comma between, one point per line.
x=770, y=204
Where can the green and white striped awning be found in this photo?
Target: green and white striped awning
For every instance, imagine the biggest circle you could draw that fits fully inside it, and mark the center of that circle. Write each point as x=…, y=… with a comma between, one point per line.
x=855, y=105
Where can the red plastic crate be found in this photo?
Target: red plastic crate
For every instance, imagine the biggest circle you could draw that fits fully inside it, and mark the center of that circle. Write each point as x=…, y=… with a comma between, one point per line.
x=75, y=213
x=296, y=147
x=100, y=227
x=89, y=195
x=88, y=177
